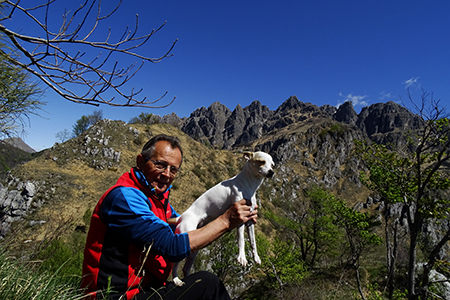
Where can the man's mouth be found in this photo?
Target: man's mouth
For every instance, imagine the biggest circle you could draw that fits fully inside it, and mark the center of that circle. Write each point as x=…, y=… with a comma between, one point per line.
x=159, y=184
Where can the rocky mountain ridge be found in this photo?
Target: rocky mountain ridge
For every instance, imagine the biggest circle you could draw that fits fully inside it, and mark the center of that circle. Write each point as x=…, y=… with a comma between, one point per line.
x=226, y=129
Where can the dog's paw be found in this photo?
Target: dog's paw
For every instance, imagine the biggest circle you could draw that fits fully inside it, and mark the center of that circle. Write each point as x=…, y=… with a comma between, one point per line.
x=242, y=260
x=178, y=281
x=257, y=259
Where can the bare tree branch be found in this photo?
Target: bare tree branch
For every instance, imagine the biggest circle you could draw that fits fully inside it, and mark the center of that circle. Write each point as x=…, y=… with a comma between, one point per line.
x=51, y=57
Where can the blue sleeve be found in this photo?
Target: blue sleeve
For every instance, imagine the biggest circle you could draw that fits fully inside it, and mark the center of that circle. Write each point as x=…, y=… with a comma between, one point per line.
x=127, y=211
x=174, y=215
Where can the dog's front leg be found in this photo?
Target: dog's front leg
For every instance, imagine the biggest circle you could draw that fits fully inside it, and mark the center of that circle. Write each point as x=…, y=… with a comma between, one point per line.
x=251, y=235
x=186, y=269
x=175, y=277
x=189, y=263
x=241, y=245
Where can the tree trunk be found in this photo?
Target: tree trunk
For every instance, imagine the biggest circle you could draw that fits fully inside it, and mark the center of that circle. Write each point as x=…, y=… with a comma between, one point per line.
x=392, y=260
x=432, y=258
x=413, y=235
x=359, y=282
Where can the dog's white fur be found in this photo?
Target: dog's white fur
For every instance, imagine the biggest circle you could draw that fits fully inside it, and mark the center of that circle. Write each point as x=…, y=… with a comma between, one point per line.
x=215, y=201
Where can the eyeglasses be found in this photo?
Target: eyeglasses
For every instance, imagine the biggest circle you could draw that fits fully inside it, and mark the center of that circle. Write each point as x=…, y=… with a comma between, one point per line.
x=162, y=166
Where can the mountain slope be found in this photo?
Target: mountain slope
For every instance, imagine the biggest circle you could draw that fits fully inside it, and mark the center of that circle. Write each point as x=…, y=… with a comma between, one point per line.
x=309, y=144
x=12, y=156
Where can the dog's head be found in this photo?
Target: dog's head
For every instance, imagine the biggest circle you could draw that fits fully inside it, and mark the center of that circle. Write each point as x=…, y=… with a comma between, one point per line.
x=260, y=163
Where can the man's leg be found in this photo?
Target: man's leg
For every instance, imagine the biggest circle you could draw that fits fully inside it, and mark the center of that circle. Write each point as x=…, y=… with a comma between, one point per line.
x=200, y=285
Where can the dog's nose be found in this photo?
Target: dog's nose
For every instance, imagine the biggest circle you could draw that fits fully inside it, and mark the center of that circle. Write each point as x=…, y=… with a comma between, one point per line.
x=270, y=173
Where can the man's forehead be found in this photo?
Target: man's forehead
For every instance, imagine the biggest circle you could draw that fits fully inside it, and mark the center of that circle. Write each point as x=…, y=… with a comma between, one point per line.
x=164, y=148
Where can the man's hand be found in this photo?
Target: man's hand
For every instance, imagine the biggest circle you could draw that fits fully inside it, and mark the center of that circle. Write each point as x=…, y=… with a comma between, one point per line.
x=240, y=213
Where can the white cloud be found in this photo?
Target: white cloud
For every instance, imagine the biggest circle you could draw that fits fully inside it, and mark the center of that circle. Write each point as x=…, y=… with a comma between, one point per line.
x=356, y=99
x=410, y=82
x=385, y=96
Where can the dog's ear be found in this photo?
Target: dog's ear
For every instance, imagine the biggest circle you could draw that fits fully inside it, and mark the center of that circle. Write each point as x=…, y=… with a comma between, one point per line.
x=248, y=155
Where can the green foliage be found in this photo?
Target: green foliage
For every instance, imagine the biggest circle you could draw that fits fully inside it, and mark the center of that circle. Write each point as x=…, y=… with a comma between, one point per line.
x=82, y=124
x=312, y=222
x=59, y=253
x=19, y=97
x=412, y=177
x=144, y=118
x=359, y=228
x=334, y=129
x=373, y=292
x=281, y=262
x=22, y=280
x=417, y=178
x=3, y=166
x=224, y=252
x=400, y=295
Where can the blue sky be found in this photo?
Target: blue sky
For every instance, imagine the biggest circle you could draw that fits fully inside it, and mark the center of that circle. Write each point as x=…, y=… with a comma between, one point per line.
x=235, y=52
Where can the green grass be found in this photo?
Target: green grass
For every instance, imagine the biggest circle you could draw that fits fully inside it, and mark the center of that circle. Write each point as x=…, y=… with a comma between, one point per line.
x=23, y=280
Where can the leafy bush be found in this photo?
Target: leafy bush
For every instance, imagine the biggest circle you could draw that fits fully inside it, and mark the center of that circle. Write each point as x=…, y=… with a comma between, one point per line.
x=281, y=262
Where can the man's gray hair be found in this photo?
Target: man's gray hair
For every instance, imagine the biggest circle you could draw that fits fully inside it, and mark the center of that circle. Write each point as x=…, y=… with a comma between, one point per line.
x=149, y=148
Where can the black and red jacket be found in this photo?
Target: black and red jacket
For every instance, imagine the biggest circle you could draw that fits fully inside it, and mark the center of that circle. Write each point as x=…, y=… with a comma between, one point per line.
x=130, y=247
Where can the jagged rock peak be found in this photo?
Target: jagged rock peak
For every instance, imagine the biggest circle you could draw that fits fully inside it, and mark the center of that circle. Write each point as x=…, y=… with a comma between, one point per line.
x=208, y=122
x=256, y=108
x=215, y=107
x=328, y=109
x=346, y=113
x=291, y=103
x=386, y=117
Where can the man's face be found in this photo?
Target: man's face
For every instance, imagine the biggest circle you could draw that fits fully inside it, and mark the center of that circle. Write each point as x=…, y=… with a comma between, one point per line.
x=159, y=178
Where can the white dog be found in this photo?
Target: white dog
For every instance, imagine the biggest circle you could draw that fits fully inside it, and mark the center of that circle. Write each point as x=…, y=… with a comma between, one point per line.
x=215, y=201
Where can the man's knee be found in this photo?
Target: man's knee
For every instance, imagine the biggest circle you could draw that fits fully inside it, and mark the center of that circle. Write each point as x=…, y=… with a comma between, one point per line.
x=206, y=277
x=210, y=284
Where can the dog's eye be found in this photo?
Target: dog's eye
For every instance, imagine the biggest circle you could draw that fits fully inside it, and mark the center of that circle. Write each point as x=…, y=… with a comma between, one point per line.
x=261, y=162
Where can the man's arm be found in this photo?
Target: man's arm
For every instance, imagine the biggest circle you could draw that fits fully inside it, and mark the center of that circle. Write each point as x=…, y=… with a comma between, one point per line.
x=127, y=213
x=236, y=215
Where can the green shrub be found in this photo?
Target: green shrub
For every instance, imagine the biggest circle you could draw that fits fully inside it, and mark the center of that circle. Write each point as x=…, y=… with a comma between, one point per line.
x=281, y=262
x=60, y=253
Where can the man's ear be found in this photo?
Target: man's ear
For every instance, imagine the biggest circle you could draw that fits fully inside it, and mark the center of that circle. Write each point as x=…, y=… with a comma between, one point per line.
x=248, y=155
x=140, y=161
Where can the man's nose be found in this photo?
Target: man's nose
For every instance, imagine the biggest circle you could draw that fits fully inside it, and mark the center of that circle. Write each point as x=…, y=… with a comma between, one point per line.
x=166, y=171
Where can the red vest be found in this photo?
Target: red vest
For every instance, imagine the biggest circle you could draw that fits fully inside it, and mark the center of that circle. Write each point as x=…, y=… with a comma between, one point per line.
x=153, y=272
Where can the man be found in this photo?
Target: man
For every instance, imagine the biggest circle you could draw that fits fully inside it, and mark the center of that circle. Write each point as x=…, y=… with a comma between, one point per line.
x=130, y=247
